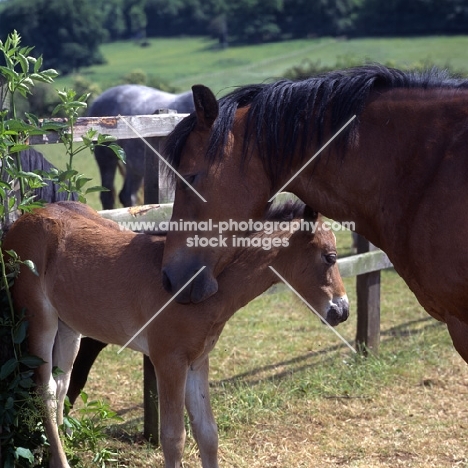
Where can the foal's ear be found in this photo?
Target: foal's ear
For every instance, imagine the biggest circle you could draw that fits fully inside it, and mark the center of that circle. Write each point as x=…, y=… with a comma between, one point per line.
x=206, y=106
x=310, y=214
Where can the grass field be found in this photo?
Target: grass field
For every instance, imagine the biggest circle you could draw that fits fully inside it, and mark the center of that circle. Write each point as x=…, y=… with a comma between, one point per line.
x=187, y=61
x=286, y=393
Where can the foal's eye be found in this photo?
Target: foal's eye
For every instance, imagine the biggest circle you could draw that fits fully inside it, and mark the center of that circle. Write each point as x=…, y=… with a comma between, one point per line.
x=330, y=258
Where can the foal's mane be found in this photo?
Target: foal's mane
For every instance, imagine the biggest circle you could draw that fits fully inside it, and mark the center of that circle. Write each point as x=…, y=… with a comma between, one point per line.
x=285, y=116
x=285, y=211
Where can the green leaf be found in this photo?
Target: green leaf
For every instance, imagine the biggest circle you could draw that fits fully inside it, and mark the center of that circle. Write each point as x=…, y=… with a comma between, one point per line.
x=38, y=64
x=66, y=175
x=18, y=148
x=105, y=138
x=118, y=151
x=23, y=62
x=8, y=73
x=12, y=254
x=30, y=264
x=31, y=361
x=50, y=73
x=8, y=368
x=19, y=334
x=81, y=182
x=26, y=383
x=96, y=188
x=84, y=397
x=24, y=453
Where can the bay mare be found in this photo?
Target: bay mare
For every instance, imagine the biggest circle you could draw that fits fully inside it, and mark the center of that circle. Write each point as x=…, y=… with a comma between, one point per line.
x=131, y=99
x=399, y=170
x=96, y=280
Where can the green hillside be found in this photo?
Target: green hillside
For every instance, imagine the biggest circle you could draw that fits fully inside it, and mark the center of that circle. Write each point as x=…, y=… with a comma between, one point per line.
x=187, y=61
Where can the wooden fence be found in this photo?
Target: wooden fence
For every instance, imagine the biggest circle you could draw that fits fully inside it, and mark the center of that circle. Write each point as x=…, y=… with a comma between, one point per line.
x=365, y=265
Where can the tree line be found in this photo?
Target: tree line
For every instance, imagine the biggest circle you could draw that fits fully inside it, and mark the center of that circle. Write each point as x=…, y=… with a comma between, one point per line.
x=72, y=30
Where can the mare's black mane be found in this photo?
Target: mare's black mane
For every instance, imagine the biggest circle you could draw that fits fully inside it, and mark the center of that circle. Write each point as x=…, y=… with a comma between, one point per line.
x=282, y=114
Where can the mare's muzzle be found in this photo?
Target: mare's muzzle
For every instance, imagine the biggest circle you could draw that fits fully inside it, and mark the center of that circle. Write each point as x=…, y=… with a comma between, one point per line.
x=177, y=274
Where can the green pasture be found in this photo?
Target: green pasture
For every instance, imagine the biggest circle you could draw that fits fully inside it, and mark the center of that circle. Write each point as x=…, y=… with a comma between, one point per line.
x=183, y=62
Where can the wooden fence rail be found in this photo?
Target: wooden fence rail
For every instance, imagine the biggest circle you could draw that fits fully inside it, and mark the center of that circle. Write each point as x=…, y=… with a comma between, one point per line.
x=366, y=265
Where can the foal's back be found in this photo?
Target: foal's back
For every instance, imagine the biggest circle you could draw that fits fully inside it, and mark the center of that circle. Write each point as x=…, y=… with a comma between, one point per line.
x=93, y=276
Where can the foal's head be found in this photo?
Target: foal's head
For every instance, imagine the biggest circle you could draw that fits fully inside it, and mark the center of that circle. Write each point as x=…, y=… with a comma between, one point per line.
x=308, y=262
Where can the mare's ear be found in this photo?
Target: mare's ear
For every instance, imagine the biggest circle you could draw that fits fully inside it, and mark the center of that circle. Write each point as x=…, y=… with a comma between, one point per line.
x=310, y=214
x=206, y=106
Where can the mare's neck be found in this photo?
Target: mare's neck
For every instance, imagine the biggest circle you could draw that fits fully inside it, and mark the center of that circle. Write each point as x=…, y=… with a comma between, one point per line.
x=382, y=178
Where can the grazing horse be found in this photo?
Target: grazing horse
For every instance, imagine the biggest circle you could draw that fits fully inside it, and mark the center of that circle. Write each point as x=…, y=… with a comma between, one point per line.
x=130, y=99
x=96, y=280
x=399, y=170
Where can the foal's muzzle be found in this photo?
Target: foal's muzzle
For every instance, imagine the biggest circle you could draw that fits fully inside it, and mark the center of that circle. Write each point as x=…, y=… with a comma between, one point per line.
x=338, y=311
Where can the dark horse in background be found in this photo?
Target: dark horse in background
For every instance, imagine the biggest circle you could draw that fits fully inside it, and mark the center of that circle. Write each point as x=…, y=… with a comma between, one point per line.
x=130, y=99
x=33, y=160
x=399, y=171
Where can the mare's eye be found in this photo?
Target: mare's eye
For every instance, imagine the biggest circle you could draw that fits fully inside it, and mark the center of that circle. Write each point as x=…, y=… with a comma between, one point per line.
x=330, y=258
x=188, y=179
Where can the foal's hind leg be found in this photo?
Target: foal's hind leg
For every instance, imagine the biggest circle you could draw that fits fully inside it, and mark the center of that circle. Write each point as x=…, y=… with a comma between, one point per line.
x=197, y=401
x=67, y=343
x=43, y=327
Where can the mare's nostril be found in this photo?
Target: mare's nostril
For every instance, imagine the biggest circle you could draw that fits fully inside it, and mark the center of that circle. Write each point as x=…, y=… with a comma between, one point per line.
x=166, y=282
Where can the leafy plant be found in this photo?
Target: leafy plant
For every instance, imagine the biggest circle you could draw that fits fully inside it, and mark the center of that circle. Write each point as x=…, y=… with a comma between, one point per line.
x=87, y=432
x=21, y=410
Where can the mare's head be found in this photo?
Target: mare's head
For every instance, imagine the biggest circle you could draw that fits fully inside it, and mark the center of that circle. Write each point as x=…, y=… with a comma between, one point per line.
x=307, y=259
x=186, y=150
x=238, y=153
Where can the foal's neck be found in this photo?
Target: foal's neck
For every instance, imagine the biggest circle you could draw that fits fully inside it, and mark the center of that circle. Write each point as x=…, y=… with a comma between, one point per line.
x=249, y=274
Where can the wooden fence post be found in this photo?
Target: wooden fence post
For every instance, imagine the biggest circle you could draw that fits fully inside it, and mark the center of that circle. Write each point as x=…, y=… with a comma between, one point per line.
x=150, y=387
x=368, y=305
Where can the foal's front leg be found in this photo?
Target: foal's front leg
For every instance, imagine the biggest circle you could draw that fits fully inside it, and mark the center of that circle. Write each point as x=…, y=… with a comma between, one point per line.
x=197, y=401
x=171, y=378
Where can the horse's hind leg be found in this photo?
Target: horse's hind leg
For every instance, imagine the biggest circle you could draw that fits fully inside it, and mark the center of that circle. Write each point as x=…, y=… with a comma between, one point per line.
x=67, y=343
x=43, y=327
x=129, y=194
x=135, y=168
x=197, y=401
x=459, y=333
x=89, y=351
x=107, y=162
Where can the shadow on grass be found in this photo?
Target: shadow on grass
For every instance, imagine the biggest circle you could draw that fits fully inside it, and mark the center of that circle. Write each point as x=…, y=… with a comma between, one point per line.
x=294, y=365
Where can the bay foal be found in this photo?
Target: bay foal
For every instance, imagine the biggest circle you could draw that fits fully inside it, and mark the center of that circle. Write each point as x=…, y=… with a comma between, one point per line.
x=98, y=281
